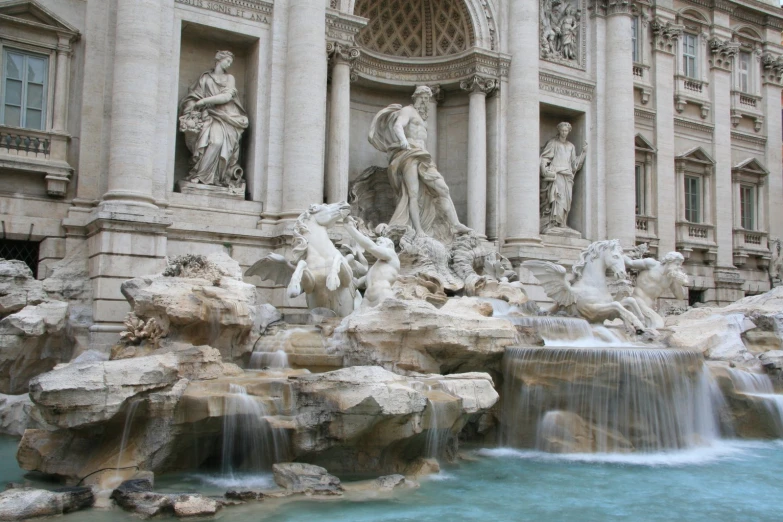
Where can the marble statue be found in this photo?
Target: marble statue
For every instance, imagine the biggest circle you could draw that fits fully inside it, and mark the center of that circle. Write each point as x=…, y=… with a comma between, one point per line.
x=318, y=269
x=559, y=164
x=213, y=120
x=381, y=275
x=587, y=293
x=423, y=200
x=653, y=279
x=775, y=268
x=559, y=26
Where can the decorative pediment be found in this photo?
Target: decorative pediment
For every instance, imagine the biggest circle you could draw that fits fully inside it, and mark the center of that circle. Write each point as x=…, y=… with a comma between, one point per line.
x=750, y=170
x=696, y=155
x=31, y=13
x=642, y=144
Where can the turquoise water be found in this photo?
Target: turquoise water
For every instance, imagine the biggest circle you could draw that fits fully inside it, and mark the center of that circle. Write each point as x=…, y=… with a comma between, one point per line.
x=729, y=481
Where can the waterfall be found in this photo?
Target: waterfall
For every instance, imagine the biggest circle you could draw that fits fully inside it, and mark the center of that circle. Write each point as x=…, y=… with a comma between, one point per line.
x=126, y=430
x=608, y=399
x=759, y=385
x=437, y=436
x=249, y=442
x=273, y=360
x=556, y=330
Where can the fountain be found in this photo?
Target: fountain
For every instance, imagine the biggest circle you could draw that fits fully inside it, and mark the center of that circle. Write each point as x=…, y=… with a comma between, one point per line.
x=250, y=444
x=566, y=399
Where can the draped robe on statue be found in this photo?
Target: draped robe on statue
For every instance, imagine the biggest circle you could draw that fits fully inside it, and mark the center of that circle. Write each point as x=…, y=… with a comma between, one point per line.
x=383, y=138
x=215, y=147
x=558, y=157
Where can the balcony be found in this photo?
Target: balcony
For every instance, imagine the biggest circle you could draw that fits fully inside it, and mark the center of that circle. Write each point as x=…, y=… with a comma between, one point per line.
x=697, y=237
x=691, y=91
x=750, y=243
x=646, y=228
x=749, y=106
x=37, y=152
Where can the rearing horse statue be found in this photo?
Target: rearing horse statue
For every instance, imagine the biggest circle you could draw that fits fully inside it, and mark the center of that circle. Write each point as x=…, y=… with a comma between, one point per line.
x=587, y=294
x=318, y=268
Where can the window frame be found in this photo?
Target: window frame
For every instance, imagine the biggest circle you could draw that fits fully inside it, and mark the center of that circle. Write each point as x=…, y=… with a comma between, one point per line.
x=636, y=40
x=640, y=189
x=749, y=88
x=46, y=87
x=699, y=198
x=695, y=56
x=748, y=212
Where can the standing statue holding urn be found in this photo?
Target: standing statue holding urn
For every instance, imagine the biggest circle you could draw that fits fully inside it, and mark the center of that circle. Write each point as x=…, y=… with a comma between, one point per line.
x=559, y=164
x=423, y=200
x=213, y=120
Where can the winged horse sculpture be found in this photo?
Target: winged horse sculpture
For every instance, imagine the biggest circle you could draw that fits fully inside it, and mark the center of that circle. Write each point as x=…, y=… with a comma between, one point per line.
x=587, y=294
x=318, y=268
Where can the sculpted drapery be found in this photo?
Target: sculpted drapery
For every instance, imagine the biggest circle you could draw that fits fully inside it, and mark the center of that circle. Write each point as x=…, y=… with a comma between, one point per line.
x=213, y=120
x=559, y=164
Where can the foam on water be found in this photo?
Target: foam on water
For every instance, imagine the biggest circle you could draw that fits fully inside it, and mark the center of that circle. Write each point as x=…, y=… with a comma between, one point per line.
x=714, y=452
x=239, y=480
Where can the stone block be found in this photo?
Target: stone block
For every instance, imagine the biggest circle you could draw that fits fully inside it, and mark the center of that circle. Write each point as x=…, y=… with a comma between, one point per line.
x=125, y=266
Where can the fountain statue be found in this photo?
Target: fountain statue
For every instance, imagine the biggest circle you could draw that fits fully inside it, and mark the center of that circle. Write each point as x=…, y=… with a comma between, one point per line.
x=587, y=294
x=213, y=120
x=318, y=269
x=654, y=278
x=559, y=164
x=382, y=275
x=423, y=199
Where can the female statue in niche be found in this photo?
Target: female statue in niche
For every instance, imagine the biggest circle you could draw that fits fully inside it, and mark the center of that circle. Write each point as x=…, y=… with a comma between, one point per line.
x=213, y=120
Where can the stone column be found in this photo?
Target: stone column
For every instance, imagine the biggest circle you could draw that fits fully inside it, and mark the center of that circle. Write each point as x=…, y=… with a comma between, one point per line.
x=126, y=233
x=432, y=121
x=665, y=36
x=134, y=102
x=61, y=84
x=478, y=88
x=620, y=149
x=305, y=107
x=338, y=150
x=771, y=106
x=522, y=130
x=722, y=55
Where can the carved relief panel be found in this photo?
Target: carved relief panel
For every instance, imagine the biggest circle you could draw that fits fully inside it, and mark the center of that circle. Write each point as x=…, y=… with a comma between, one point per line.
x=562, y=32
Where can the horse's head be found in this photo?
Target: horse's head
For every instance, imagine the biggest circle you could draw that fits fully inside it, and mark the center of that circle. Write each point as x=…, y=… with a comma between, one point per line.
x=612, y=257
x=327, y=214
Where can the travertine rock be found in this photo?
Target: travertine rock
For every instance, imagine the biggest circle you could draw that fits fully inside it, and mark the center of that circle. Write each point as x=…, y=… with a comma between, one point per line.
x=32, y=341
x=195, y=506
x=17, y=415
x=414, y=336
x=136, y=495
x=306, y=478
x=27, y=503
x=18, y=287
x=209, y=305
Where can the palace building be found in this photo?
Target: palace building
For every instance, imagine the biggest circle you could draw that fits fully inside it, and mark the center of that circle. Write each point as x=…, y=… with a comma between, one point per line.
x=109, y=158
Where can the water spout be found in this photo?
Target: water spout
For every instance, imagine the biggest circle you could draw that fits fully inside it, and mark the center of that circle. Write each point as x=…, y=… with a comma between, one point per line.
x=126, y=430
x=272, y=360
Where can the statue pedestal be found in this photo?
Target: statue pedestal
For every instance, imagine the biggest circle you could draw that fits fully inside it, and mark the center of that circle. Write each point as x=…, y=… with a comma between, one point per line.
x=188, y=187
x=562, y=232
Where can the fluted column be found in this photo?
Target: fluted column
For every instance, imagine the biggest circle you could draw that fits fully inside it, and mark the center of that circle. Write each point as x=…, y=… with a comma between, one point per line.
x=773, y=69
x=722, y=56
x=620, y=197
x=134, y=106
x=665, y=36
x=478, y=88
x=432, y=121
x=338, y=149
x=61, y=84
x=522, y=131
x=305, y=107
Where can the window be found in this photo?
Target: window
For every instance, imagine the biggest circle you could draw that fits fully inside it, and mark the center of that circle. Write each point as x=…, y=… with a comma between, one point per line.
x=24, y=89
x=689, y=56
x=748, y=207
x=743, y=72
x=26, y=251
x=695, y=297
x=635, y=39
x=693, y=199
x=640, y=191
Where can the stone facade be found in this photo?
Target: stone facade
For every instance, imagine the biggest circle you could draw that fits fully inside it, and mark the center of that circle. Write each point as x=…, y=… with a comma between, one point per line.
x=682, y=117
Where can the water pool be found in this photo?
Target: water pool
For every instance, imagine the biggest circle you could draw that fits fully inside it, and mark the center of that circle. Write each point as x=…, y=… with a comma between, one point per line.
x=728, y=481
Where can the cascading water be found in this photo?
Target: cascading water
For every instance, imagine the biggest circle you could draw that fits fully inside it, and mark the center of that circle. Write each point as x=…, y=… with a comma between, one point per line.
x=250, y=444
x=272, y=360
x=126, y=430
x=437, y=436
x=760, y=386
x=608, y=399
x=556, y=330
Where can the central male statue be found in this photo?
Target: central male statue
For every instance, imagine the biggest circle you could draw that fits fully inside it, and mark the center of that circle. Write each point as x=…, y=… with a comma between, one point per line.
x=559, y=164
x=423, y=200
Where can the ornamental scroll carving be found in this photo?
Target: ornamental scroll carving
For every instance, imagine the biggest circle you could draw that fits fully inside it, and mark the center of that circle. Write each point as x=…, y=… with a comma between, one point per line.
x=562, y=32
